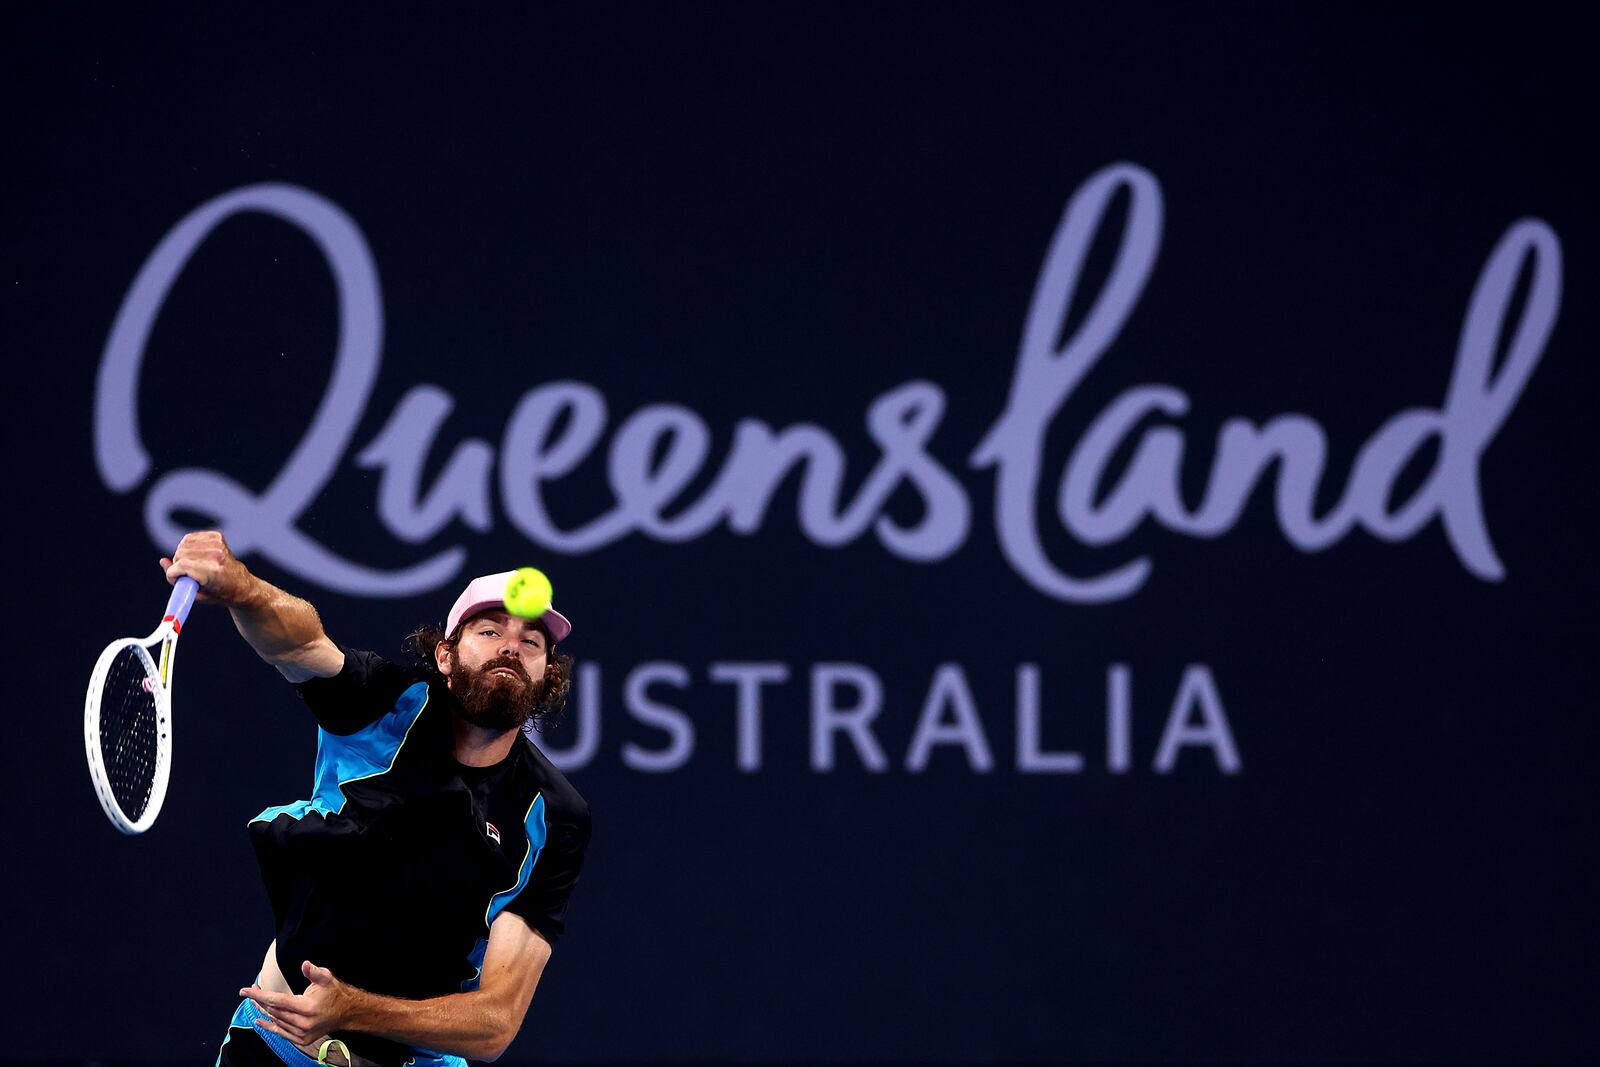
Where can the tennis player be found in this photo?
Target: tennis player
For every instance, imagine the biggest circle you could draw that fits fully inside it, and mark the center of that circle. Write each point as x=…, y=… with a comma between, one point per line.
x=417, y=893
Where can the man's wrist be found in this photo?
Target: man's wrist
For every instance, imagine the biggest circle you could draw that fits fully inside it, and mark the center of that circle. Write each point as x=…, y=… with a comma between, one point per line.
x=360, y=1010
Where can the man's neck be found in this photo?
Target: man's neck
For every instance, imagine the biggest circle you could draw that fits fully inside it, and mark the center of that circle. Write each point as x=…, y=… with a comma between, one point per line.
x=479, y=746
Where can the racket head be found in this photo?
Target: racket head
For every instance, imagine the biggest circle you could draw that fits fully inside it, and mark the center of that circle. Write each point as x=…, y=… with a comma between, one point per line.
x=127, y=729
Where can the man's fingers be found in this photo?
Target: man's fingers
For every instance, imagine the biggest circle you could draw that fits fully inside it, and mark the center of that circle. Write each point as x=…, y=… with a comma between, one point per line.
x=289, y=1019
x=205, y=557
x=283, y=1029
x=313, y=973
x=176, y=570
x=276, y=1003
x=264, y=998
x=298, y=1035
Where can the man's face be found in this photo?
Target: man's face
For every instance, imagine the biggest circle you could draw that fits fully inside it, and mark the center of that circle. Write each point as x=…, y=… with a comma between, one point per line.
x=496, y=669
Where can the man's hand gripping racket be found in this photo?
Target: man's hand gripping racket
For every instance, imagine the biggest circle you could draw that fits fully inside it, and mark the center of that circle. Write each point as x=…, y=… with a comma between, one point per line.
x=127, y=718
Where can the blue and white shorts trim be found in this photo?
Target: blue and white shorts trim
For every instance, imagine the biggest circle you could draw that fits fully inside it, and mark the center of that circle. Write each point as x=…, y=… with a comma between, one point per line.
x=247, y=1014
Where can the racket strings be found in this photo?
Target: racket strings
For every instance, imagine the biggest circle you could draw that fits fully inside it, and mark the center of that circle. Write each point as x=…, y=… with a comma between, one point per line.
x=129, y=732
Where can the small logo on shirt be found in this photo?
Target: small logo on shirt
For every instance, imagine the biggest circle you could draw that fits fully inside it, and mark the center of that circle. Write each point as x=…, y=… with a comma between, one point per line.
x=494, y=835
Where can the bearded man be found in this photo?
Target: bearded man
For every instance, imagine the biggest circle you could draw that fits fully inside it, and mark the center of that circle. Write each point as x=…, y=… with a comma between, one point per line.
x=417, y=893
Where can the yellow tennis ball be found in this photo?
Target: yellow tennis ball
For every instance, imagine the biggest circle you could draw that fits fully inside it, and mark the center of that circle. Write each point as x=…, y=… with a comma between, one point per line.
x=528, y=593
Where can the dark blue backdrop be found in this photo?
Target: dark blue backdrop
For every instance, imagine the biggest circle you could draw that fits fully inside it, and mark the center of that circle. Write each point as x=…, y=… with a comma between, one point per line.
x=1317, y=788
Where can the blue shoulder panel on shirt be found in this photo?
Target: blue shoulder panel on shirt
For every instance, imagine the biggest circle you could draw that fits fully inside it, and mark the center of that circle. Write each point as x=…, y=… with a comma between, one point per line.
x=368, y=752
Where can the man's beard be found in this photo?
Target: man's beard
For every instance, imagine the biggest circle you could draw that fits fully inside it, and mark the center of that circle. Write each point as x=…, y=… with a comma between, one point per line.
x=494, y=701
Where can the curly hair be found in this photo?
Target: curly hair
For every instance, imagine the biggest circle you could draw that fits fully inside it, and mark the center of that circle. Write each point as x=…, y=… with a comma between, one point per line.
x=421, y=642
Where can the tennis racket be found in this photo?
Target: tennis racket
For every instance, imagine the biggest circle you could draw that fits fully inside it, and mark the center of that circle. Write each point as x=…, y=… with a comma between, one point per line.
x=127, y=718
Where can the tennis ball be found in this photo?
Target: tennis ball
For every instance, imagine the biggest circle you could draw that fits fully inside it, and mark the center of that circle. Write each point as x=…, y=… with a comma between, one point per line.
x=528, y=593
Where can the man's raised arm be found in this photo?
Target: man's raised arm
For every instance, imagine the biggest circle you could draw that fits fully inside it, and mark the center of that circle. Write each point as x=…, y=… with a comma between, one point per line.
x=284, y=630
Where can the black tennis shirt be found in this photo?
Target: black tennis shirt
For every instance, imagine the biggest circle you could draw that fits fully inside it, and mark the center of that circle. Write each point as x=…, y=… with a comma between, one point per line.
x=391, y=874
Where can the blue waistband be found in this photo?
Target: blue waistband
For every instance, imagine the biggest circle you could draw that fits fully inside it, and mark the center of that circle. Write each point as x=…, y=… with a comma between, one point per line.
x=287, y=1051
x=245, y=1018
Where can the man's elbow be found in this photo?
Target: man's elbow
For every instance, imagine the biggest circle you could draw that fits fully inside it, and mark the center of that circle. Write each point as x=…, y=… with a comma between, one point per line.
x=478, y=1049
x=493, y=1048
x=319, y=658
x=502, y=1031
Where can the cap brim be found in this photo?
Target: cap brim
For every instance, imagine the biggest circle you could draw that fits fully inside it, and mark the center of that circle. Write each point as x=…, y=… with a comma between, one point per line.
x=555, y=623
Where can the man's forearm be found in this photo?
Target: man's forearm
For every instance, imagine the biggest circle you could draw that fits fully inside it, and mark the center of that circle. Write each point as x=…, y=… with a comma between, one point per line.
x=477, y=1025
x=284, y=630
x=480, y=1024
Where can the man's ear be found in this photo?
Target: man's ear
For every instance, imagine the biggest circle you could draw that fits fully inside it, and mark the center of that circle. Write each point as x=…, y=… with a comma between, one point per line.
x=442, y=656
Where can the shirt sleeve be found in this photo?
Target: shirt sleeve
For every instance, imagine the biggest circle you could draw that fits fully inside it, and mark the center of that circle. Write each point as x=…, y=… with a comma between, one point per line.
x=363, y=691
x=543, y=902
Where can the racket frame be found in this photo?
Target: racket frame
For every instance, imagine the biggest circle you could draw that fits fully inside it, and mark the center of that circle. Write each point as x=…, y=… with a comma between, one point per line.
x=159, y=676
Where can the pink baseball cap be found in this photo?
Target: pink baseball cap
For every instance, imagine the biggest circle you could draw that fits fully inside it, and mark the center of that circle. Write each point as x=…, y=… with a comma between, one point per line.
x=489, y=591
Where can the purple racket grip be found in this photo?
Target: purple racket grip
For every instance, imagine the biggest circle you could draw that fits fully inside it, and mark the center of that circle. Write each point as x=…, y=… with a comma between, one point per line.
x=182, y=599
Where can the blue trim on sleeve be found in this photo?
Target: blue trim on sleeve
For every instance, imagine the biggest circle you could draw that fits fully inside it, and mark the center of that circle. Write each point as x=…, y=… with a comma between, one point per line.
x=533, y=824
x=367, y=753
